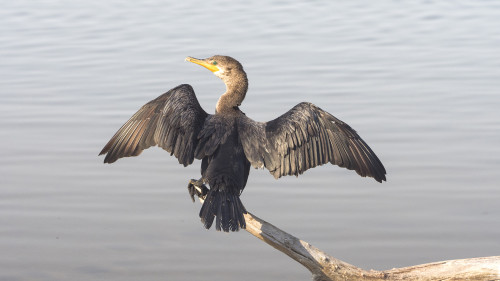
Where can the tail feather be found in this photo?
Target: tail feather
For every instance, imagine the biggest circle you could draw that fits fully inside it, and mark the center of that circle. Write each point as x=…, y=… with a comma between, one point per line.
x=226, y=208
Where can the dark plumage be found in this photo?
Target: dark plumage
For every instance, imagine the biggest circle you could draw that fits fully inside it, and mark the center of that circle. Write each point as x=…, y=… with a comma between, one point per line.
x=228, y=142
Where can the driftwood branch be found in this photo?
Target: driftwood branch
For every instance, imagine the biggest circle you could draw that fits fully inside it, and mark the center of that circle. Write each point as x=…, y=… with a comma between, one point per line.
x=325, y=267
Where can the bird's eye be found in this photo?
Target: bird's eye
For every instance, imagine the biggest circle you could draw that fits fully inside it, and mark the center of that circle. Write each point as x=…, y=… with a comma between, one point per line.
x=214, y=63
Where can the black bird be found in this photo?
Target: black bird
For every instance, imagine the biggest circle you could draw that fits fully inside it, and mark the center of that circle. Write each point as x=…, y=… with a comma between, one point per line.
x=228, y=142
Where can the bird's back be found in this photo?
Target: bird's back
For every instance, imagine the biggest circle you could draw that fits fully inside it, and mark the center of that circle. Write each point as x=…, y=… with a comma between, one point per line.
x=225, y=168
x=223, y=158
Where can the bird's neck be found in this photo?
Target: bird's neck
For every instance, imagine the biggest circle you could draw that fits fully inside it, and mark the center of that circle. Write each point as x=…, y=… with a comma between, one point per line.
x=236, y=89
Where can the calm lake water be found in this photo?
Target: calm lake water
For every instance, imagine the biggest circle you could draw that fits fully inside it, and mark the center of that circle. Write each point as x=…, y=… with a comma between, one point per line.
x=419, y=81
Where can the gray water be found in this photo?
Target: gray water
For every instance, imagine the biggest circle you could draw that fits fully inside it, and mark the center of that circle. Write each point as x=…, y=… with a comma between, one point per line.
x=419, y=81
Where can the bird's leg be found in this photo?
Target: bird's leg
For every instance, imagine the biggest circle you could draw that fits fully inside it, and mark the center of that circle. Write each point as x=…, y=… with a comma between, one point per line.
x=196, y=187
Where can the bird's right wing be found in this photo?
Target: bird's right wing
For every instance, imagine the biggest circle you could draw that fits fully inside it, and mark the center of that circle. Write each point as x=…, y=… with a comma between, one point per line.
x=305, y=137
x=172, y=121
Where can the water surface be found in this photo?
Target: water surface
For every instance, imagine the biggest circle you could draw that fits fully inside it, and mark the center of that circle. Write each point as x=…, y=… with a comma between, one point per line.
x=418, y=81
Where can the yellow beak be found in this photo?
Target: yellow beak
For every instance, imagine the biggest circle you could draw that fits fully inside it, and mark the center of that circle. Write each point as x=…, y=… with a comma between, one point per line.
x=203, y=63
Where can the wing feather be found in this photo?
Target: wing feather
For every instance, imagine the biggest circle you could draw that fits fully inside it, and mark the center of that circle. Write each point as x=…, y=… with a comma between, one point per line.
x=305, y=137
x=172, y=121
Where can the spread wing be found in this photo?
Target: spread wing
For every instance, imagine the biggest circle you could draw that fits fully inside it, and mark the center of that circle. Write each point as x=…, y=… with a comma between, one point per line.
x=172, y=121
x=304, y=137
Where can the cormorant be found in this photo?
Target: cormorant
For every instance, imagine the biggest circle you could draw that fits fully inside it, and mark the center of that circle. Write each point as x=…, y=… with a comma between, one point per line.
x=228, y=142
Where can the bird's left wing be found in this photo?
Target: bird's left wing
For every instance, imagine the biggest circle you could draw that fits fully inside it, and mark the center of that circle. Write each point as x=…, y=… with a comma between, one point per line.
x=172, y=121
x=304, y=137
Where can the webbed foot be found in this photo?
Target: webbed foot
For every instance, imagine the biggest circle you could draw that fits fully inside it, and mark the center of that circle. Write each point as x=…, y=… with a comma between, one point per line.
x=196, y=187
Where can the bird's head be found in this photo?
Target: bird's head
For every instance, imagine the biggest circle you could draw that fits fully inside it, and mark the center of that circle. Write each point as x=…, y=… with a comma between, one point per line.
x=232, y=74
x=223, y=67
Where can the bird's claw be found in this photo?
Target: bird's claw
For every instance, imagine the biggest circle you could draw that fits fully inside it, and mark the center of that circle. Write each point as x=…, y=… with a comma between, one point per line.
x=196, y=187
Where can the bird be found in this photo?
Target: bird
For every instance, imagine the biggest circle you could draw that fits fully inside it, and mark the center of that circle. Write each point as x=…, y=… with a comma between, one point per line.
x=228, y=142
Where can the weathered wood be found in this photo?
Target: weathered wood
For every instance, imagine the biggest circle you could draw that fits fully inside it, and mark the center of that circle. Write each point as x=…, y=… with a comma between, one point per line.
x=327, y=268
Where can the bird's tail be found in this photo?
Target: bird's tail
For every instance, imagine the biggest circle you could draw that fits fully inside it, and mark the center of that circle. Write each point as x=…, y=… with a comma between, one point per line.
x=226, y=207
